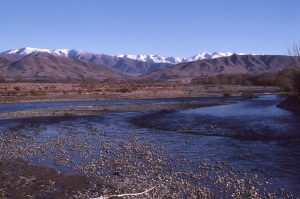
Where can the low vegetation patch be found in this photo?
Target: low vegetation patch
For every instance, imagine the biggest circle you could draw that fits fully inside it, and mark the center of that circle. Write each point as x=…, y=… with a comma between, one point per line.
x=288, y=80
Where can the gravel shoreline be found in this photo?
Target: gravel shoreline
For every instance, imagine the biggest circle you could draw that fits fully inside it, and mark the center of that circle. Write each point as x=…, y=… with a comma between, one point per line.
x=99, y=109
x=113, y=166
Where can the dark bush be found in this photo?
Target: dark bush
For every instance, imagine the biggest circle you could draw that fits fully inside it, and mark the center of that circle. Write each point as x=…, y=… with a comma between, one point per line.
x=17, y=88
x=33, y=92
x=124, y=90
x=226, y=94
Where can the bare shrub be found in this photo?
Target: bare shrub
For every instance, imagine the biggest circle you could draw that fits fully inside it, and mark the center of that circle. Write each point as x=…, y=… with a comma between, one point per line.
x=294, y=51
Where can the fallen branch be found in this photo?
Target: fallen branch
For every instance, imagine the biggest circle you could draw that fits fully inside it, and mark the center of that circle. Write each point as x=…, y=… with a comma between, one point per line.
x=123, y=195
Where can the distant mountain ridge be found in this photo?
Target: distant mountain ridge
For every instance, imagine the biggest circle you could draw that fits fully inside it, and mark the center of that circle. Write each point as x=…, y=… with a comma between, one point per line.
x=64, y=64
x=235, y=64
x=125, y=65
x=74, y=53
x=47, y=67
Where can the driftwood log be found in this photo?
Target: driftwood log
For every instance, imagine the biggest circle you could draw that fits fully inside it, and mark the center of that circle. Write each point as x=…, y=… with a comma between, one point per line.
x=124, y=195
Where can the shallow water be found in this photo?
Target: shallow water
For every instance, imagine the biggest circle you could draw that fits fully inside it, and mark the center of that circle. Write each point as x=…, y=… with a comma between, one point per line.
x=252, y=135
x=21, y=106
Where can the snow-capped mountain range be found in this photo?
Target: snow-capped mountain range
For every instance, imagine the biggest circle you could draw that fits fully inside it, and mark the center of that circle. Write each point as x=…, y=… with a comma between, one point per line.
x=177, y=60
x=73, y=53
x=63, y=64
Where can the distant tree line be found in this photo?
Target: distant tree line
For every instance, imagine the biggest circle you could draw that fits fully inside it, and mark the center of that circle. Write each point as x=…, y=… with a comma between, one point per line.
x=286, y=79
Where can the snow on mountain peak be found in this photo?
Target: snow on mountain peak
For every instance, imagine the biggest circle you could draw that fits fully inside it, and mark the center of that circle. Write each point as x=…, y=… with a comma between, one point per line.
x=206, y=55
x=58, y=52
x=153, y=58
x=78, y=54
x=177, y=60
x=26, y=51
x=61, y=52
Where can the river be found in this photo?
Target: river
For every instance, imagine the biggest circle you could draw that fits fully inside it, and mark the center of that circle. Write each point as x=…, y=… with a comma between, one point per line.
x=249, y=134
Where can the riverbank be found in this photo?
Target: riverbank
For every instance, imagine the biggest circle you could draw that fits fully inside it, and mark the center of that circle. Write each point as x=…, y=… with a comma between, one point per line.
x=104, y=108
x=41, y=92
x=292, y=104
x=20, y=179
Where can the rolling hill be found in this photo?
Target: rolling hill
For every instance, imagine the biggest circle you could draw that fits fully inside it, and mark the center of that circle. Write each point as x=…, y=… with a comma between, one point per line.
x=235, y=64
x=45, y=66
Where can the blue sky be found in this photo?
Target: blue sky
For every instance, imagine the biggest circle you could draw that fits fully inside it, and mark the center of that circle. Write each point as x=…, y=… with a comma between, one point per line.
x=164, y=27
